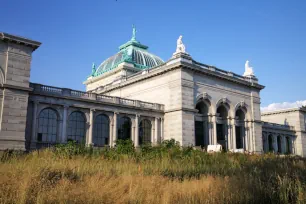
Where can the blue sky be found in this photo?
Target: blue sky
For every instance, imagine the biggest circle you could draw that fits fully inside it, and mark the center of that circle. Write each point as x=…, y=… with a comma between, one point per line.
x=271, y=34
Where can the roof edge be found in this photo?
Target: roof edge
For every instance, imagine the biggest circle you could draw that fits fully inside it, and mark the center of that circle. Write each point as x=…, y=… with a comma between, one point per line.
x=20, y=40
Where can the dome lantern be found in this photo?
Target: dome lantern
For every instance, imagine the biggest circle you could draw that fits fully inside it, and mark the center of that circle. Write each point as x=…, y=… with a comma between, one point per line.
x=132, y=52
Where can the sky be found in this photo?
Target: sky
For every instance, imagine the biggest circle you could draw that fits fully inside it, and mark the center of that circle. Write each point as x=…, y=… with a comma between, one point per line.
x=271, y=34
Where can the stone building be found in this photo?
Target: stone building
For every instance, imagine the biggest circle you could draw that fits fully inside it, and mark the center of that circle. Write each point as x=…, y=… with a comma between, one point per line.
x=136, y=95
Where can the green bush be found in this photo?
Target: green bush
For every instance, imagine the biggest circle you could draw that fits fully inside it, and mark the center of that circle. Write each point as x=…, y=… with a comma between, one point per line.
x=125, y=147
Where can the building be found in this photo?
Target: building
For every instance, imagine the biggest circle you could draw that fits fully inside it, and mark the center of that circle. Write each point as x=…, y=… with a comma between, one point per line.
x=136, y=95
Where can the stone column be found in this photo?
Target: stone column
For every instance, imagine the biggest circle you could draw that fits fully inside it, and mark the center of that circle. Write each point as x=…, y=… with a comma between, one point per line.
x=246, y=136
x=275, y=147
x=152, y=132
x=251, y=141
x=156, y=130
x=91, y=124
x=234, y=133
x=161, y=129
x=110, y=139
x=34, y=126
x=115, y=131
x=264, y=141
x=136, y=139
x=229, y=134
x=64, y=128
x=214, y=120
x=210, y=130
x=291, y=145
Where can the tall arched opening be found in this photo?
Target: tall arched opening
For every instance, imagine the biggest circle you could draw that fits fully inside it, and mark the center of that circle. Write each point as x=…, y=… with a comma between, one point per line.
x=124, y=128
x=77, y=127
x=240, y=129
x=222, y=114
x=101, y=130
x=145, y=130
x=270, y=141
x=47, y=126
x=201, y=124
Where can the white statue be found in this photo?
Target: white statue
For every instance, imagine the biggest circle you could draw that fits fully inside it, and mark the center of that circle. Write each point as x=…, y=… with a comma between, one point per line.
x=248, y=70
x=180, y=47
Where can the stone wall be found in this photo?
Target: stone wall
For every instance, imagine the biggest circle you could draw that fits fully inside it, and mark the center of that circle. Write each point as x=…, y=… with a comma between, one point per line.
x=15, y=65
x=292, y=117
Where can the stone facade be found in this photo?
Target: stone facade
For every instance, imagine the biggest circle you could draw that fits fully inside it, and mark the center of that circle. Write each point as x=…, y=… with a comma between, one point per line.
x=296, y=118
x=182, y=99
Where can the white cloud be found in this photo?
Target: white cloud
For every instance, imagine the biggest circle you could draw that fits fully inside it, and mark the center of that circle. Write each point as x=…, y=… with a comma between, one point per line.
x=284, y=105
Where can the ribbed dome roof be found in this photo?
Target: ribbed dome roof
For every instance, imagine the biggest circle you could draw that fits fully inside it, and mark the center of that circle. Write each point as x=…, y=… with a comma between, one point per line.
x=132, y=52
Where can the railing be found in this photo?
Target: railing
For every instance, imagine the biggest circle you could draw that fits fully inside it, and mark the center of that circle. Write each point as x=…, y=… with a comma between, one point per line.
x=39, y=88
x=126, y=101
x=267, y=124
x=221, y=71
x=146, y=105
x=105, y=98
x=51, y=89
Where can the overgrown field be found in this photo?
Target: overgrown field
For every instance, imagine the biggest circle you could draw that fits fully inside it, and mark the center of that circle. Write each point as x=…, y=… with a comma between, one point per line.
x=163, y=174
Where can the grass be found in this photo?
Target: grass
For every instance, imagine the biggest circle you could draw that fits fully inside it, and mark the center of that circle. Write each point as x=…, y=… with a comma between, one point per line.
x=163, y=174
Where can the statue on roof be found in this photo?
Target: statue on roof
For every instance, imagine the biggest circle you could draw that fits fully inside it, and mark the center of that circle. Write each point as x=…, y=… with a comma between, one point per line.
x=248, y=70
x=134, y=33
x=180, y=47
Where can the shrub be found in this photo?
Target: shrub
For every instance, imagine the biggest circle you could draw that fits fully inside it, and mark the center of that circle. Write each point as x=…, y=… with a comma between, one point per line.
x=125, y=147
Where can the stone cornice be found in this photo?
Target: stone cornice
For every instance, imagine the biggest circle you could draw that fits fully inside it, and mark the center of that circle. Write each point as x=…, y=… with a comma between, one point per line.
x=93, y=101
x=284, y=111
x=181, y=109
x=28, y=89
x=19, y=40
x=181, y=63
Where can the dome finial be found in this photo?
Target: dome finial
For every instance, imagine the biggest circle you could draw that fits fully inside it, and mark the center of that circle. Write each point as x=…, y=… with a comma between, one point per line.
x=134, y=33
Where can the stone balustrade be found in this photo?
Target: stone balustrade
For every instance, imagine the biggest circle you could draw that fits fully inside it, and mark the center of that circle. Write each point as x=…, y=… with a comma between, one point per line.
x=51, y=90
x=223, y=72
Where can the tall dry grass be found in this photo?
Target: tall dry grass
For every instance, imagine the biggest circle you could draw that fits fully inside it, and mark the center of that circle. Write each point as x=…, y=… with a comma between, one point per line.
x=152, y=175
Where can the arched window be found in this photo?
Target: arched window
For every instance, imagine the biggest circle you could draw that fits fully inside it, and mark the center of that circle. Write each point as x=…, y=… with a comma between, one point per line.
x=201, y=124
x=270, y=140
x=77, y=127
x=47, y=126
x=240, y=115
x=240, y=129
x=124, y=130
x=222, y=112
x=101, y=130
x=222, y=127
x=202, y=108
x=145, y=132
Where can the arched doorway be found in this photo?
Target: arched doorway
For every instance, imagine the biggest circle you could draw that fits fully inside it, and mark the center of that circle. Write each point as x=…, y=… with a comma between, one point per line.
x=124, y=128
x=145, y=128
x=270, y=141
x=77, y=127
x=201, y=124
x=240, y=129
x=47, y=126
x=222, y=114
x=279, y=144
x=101, y=130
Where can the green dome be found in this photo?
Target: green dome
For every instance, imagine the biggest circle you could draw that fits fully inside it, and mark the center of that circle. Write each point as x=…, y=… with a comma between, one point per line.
x=132, y=52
